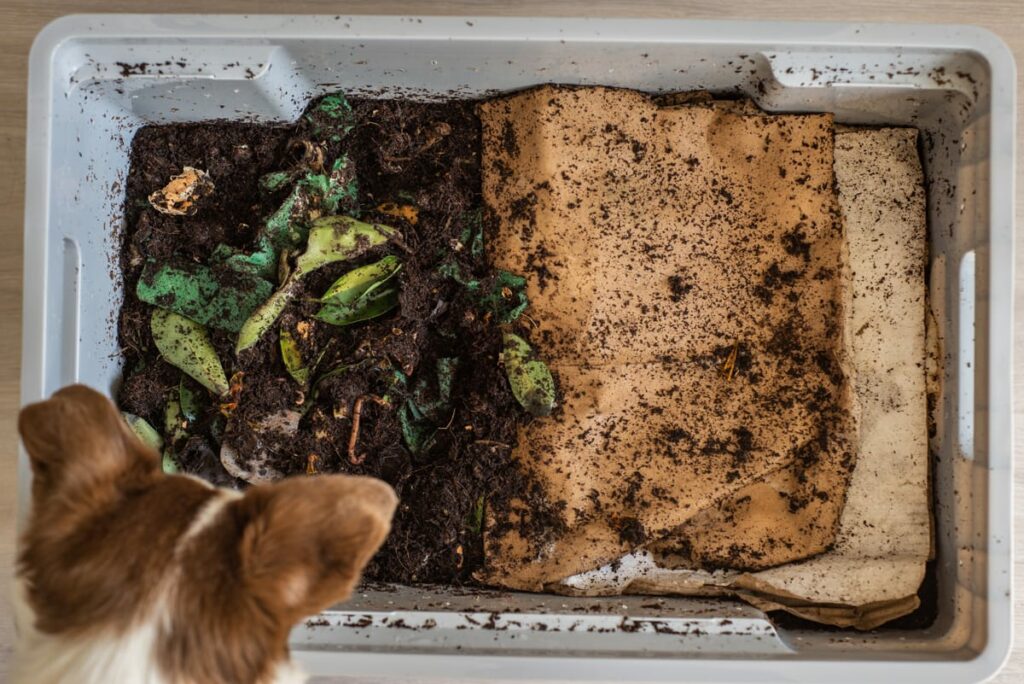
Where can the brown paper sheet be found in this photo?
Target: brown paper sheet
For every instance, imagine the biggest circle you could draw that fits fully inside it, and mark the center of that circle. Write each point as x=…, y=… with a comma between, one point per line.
x=872, y=573
x=684, y=272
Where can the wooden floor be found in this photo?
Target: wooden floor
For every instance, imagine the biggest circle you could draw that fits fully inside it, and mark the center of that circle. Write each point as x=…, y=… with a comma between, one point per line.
x=22, y=19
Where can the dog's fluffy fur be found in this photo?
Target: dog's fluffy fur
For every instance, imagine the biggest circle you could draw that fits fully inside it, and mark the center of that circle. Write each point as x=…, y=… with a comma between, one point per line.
x=126, y=574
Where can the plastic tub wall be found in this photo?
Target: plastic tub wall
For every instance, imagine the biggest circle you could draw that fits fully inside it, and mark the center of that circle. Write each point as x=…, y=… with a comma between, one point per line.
x=956, y=84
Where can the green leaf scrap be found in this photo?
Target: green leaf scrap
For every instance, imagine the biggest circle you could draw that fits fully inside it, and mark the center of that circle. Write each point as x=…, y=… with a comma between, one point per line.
x=190, y=401
x=529, y=377
x=506, y=297
x=476, y=516
x=185, y=344
x=331, y=239
x=292, y=357
x=362, y=293
x=144, y=431
x=331, y=117
x=221, y=299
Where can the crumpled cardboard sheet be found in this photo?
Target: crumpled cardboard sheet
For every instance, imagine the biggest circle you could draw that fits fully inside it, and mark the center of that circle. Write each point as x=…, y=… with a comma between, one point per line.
x=872, y=573
x=686, y=275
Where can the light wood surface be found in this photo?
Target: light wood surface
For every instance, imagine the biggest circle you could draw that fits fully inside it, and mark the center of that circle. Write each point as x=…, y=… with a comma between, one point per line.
x=22, y=19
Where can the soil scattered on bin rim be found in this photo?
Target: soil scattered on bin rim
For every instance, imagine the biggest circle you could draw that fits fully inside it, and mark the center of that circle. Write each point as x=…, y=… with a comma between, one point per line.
x=424, y=155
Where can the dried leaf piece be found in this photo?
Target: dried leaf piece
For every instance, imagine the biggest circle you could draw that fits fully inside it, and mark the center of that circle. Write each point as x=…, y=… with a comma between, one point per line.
x=408, y=212
x=185, y=344
x=221, y=298
x=144, y=431
x=230, y=402
x=181, y=195
x=292, y=358
x=331, y=239
x=362, y=293
x=529, y=377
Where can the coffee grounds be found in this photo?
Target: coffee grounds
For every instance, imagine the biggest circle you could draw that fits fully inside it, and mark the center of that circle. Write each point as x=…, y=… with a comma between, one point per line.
x=424, y=155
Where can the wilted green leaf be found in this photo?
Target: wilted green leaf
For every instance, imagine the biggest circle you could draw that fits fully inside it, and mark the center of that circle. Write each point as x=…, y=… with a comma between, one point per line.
x=218, y=298
x=506, y=296
x=264, y=316
x=286, y=228
x=472, y=236
x=376, y=302
x=342, y=191
x=476, y=516
x=531, y=381
x=292, y=358
x=417, y=433
x=185, y=344
x=331, y=117
x=331, y=239
x=431, y=396
x=169, y=463
x=174, y=423
x=354, y=283
x=338, y=238
x=262, y=262
x=275, y=180
x=362, y=293
x=144, y=431
x=190, y=401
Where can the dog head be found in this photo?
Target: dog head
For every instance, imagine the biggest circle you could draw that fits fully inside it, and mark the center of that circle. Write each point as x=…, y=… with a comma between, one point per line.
x=196, y=584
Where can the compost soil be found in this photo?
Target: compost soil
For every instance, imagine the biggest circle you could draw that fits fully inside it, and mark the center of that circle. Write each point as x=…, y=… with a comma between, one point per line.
x=421, y=155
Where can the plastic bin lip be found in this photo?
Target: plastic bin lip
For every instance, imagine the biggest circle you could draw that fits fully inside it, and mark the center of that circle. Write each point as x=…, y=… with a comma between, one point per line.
x=982, y=43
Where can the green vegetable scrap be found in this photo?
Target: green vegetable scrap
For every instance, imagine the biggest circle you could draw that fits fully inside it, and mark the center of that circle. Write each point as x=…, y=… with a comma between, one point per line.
x=275, y=180
x=287, y=228
x=417, y=432
x=362, y=293
x=505, y=296
x=292, y=358
x=428, y=403
x=475, y=523
x=473, y=233
x=174, y=427
x=531, y=381
x=341, y=192
x=185, y=344
x=218, y=298
x=331, y=239
x=331, y=118
x=190, y=401
x=174, y=423
x=144, y=431
x=169, y=464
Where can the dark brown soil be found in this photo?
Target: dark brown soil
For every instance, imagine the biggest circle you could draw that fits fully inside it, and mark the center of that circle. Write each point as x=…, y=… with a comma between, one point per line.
x=425, y=155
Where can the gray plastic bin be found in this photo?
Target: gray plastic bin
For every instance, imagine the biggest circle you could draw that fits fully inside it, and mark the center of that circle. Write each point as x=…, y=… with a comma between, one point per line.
x=955, y=83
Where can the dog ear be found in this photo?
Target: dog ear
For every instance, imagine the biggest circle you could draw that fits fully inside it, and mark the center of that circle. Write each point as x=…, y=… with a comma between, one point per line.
x=79, y=438
x=306, y=540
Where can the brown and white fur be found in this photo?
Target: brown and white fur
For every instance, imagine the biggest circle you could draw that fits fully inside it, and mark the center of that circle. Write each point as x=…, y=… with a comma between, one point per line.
x=126, y=574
